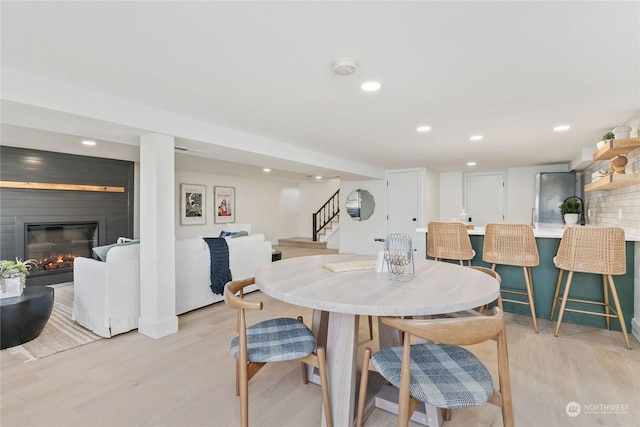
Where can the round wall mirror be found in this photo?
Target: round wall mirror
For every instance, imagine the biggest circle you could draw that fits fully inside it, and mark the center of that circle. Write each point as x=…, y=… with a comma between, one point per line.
x=360, y=204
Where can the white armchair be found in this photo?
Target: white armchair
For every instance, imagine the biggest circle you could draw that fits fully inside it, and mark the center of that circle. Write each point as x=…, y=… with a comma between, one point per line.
x=107, y=294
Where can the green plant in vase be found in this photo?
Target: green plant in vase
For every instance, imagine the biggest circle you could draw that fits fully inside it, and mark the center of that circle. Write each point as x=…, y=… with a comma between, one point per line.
x=607, y=136
x=17, y=268
x=603, y=140
x=13, y=276
x=571, y=209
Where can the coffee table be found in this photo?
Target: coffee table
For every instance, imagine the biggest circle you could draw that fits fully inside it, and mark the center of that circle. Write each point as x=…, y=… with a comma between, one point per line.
x=23, y=318
x=437, y=288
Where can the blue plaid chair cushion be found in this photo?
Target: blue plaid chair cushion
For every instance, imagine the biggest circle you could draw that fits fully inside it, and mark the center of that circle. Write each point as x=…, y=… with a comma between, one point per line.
x=444, y=376
x=277, y=340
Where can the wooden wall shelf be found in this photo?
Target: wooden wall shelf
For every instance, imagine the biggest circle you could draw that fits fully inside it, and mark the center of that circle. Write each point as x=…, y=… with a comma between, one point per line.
x=615, y=147
x=613, y=181
x=52, y=186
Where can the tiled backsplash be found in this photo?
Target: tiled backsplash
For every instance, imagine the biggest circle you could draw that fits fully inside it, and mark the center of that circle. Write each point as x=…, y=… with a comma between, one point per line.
x=605, y=206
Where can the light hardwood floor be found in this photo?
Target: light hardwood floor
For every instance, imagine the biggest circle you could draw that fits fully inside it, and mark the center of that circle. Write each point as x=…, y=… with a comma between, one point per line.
x=187, y=379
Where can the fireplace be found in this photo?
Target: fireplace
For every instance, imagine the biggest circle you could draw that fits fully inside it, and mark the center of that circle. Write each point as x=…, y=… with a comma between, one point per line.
x=54, y=245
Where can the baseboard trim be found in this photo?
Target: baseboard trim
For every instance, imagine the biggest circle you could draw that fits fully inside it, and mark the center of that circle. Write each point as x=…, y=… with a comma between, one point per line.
x=635, y=327
x=158, y=329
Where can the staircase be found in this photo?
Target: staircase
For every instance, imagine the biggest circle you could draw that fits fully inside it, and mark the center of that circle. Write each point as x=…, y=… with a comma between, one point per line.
x=326, y=221
x=326, y=217
x=331, y=227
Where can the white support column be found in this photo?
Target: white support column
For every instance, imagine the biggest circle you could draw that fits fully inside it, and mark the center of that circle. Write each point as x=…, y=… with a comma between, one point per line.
x=157, y=237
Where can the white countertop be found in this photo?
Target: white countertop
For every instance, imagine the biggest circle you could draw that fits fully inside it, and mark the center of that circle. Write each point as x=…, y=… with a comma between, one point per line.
x=544, y=231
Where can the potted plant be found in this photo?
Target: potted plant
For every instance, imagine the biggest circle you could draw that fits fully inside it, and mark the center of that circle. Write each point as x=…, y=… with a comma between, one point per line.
x=607, y=136
x=13, y=276
x=571, y=209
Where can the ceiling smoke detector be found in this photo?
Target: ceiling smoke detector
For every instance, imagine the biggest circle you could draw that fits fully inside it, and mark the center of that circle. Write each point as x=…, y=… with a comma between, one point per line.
x=345, y=67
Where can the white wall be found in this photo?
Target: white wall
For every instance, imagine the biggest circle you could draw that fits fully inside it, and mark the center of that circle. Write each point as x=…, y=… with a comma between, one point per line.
x=521, y=191
x=271, y=207
x=357, y=236
x=432, y=200
x=451, y=195
x=520, y=184
x=281, y=210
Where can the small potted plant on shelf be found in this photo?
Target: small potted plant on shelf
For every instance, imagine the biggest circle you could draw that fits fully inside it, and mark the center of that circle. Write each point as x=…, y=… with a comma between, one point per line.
x=606, y=137
x=13, y=276
x=571, y=209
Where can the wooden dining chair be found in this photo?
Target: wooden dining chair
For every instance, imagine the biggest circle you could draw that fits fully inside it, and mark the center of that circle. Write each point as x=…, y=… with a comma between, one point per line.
x=449, y=241
x=444, y=375
x=272, y=340
x=595, y=250
x=479, y=311
x=513, y=244
x=370, y=322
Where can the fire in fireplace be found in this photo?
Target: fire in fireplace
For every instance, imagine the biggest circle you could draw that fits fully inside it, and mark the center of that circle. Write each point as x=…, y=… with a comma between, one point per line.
x=54, y=246
x=56, y=262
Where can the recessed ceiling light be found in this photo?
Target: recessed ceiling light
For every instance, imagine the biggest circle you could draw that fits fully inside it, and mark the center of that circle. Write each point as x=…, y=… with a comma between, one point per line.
x=471, y=164
x=266, y=170
x=476, y=138
x=318, y=177
x=423, y=128
x=561, y=128
x=370, y=86
x=92, y=143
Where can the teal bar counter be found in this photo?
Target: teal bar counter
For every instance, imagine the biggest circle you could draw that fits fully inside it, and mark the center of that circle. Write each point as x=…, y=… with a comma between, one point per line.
x=545, y=275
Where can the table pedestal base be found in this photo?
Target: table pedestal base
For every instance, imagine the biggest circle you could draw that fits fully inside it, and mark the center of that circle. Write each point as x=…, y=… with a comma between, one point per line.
x=379, y=393
x=427, y=415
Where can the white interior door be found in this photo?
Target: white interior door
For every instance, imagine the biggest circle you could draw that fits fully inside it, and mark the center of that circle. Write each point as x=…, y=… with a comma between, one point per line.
x=484, y=196
x=403, y=198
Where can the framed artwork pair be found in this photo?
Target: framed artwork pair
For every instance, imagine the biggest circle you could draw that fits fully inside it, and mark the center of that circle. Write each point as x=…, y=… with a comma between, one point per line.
x=193, y=204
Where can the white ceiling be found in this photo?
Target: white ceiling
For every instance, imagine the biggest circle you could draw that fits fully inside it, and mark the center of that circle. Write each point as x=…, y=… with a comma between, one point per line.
x=510, y=71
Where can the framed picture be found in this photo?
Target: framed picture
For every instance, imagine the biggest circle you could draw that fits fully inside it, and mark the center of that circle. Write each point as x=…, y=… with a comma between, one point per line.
x=224, y=199
x=192, y=204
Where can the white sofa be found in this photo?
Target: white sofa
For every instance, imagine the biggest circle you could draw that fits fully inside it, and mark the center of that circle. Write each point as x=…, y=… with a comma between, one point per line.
x=107, y=294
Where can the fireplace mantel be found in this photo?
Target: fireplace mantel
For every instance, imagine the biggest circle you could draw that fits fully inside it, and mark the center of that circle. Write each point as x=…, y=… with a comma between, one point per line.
x=53, y=186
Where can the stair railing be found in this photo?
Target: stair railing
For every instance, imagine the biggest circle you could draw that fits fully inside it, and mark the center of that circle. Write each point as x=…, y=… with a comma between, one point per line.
x=325, y=214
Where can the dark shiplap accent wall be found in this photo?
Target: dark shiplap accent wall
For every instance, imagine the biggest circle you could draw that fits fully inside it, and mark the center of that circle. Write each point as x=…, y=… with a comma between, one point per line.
x=19, y=164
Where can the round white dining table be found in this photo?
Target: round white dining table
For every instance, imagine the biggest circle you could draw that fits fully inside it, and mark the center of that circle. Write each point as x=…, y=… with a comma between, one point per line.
x=436, y=288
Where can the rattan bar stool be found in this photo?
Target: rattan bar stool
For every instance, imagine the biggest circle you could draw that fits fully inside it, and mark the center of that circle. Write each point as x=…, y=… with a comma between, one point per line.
x=596, y=250
x=449, y=240
x=513, y=244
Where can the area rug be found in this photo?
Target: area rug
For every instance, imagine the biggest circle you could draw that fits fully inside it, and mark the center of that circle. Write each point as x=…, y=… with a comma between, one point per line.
x=60, y=334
